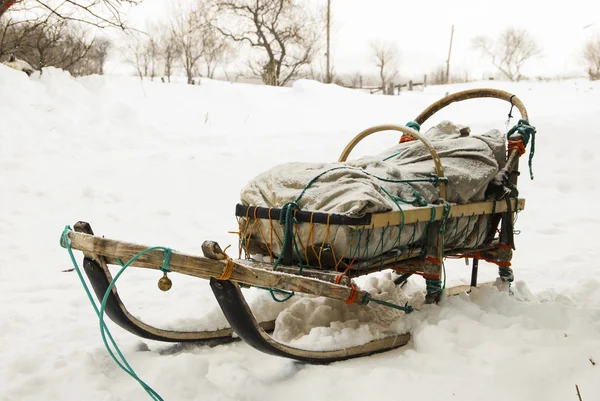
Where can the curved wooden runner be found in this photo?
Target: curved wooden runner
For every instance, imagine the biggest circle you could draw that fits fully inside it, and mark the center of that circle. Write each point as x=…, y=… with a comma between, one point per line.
x=96, y=269
x=240, y=317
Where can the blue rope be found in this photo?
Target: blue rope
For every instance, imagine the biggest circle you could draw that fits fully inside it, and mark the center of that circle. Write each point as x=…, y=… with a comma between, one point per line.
x=107, y=337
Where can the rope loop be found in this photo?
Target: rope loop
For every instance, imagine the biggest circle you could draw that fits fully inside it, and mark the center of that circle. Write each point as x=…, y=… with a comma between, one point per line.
x=527, y=133
x=166, y=267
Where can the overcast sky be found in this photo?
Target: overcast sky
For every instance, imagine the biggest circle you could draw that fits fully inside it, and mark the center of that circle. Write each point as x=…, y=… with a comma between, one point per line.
x=421, y=31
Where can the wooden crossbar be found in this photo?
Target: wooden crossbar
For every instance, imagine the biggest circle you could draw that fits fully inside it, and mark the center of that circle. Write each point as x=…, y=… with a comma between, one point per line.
x=423, y=214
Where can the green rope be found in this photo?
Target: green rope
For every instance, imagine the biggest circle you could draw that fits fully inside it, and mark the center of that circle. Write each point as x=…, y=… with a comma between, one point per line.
x=433, y=285
x=272, y=291
x=107, y=337
x=414, y=125
x=406, y=308
x=527, y=132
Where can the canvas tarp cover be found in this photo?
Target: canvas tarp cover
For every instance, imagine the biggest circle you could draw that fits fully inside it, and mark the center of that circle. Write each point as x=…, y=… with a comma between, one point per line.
x=470, y=163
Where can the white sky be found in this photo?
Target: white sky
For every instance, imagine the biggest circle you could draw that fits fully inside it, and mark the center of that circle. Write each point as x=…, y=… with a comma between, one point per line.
x=421, y=30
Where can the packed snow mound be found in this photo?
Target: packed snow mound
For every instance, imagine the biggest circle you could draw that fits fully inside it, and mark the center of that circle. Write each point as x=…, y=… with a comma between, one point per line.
x=162, y=164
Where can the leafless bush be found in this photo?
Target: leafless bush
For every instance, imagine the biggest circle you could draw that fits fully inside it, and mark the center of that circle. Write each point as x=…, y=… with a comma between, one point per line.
x=55, y=42
x=591, y=55
x=282, y=35
x=438, y=76
x=513, y=48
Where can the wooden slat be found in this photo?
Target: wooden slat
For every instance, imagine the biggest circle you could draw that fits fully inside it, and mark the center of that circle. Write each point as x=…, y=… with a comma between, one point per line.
x=423, y=214
x=198, y=266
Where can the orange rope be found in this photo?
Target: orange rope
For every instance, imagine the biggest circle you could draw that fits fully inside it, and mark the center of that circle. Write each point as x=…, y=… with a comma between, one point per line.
x=308, y=242
x=406, y=138
x=353, y=293
x=342, y=257
x=324, y=239
x=270, y=232
x=228, y=270
x=433, y=260
x=477, y=255
x=338, y=278
x=263, y=235
x=517, y=145
x=328, y=239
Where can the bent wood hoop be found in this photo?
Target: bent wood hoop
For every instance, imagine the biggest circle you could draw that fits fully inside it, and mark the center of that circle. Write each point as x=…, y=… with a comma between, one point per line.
x=439, y=169
x=472, y=94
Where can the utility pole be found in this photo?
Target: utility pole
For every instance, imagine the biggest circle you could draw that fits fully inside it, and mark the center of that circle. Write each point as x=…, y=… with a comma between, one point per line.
x=328, y=73
x=449, y=53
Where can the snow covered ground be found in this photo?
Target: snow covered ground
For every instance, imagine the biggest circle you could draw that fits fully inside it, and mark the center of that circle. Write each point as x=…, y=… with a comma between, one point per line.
x=163, y=164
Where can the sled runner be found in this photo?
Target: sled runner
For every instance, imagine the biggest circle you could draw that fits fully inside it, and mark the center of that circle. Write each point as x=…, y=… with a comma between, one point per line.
x=409, y=223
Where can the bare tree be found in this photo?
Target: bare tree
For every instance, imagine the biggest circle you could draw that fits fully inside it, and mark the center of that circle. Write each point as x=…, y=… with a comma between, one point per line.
x=591, y=55
x=136, y=54
x=355, y=80
x=100, y=13
x=170, y=52
x=217, y=51
x=189, y=26
x=100, y=53
x=513, y=48
x=152, y=56
x=283, y=34
x=386, y=59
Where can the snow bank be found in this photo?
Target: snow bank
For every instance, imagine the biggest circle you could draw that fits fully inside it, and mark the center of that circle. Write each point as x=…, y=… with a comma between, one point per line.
x=163, y=164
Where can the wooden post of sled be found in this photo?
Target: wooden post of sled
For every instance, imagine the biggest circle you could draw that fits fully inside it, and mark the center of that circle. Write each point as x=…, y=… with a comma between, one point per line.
x=512, y=164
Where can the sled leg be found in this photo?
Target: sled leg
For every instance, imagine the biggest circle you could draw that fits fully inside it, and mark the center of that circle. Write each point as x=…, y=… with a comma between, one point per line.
x=242, y=320
x=402, y=279
x=474, y=272
x=432, y=266
x=100, y=278
x=505, y=247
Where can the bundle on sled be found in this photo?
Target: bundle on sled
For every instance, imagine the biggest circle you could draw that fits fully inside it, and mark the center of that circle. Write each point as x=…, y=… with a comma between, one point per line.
x=312, y=228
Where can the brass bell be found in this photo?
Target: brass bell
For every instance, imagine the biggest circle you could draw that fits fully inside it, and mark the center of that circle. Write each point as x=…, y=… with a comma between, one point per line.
x=165, y=283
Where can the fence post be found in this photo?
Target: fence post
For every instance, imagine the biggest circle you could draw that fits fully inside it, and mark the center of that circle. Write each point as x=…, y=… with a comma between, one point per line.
x=360, y=81
x=425, y=81
x=410, y=85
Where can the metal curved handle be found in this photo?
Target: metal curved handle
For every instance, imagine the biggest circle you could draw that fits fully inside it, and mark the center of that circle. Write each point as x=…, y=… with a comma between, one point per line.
x=439, y=169
x=472, y=94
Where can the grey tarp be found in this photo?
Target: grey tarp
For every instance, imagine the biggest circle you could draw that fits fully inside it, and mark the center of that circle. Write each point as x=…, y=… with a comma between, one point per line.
x=470, y=162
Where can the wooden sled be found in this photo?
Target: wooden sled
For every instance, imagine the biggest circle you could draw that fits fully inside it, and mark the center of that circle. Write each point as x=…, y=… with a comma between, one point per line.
x=228, y=275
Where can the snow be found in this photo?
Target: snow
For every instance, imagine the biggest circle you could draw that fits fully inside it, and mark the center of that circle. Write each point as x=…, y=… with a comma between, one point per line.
x=162, y=164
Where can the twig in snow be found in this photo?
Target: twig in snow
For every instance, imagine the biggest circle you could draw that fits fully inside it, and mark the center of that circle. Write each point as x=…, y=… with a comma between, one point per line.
x=592, y=362
x=578, y=393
